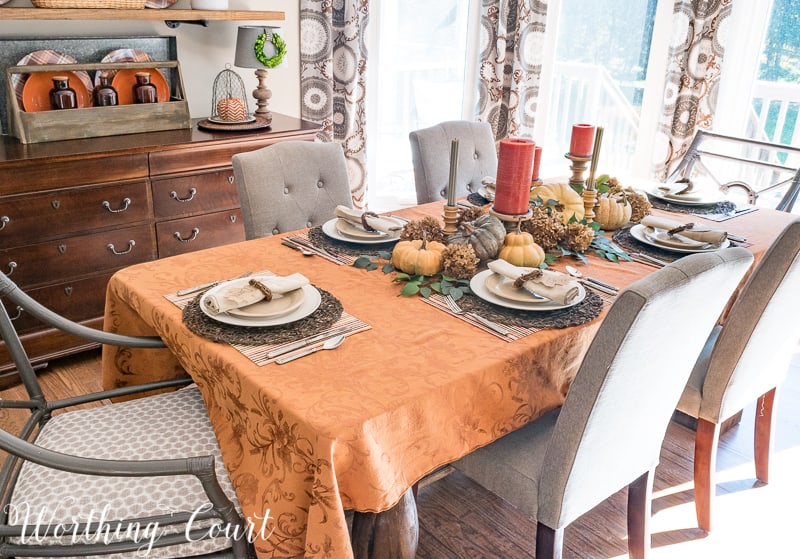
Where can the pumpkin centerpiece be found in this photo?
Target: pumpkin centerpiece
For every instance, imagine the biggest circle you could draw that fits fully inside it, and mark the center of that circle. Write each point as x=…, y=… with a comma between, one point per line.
x=520, y=249
x=485, y=235
x=418, y=257
x=613, y=211
x=569, y=202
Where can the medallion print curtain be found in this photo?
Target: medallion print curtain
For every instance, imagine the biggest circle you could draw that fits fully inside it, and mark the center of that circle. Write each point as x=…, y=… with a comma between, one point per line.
x=333, y=60
x=510, y=65
x=693, y=73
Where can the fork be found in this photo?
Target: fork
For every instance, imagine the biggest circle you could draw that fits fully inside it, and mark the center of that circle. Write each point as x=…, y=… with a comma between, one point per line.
x=453, y=306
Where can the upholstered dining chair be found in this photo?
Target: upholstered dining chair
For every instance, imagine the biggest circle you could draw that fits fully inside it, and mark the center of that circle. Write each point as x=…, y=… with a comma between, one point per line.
x=744, y=360
x=430, y=154
x=118, y=477
x=609, y=431
x=290, y=185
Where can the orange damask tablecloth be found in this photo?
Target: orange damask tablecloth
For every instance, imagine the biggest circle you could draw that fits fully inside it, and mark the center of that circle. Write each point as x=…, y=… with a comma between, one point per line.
x=356, y=427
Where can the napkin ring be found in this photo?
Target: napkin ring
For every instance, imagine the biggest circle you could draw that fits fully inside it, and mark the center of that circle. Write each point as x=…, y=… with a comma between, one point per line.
x=684, y=227
x=532, y=275
x=262, y=288
x=364, y=223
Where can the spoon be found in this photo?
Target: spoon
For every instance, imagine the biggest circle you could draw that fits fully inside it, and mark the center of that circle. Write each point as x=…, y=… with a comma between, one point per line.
x=332, y=343
x=591, y=282
x=302, y=250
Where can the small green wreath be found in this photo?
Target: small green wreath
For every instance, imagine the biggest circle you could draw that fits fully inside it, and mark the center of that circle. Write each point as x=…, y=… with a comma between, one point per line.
x=280, y=50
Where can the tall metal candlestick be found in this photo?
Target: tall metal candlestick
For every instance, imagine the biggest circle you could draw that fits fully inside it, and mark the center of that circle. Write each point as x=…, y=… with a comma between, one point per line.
x=451, y=184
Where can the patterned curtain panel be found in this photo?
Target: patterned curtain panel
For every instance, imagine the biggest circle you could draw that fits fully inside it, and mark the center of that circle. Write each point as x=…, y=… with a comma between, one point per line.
x=692, y=82
x=511, y=48
x=333, y=60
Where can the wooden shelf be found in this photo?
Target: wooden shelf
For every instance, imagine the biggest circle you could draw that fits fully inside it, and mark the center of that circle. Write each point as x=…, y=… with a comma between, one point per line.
x=167, y=14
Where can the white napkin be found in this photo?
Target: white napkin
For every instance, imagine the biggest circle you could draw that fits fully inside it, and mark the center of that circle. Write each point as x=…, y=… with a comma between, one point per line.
x=382, y=224
x=558, y=287
x=684, y=191
x=243, y=294
x=698, y=233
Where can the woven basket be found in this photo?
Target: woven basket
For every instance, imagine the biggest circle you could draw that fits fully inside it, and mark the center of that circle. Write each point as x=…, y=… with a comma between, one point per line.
x=114, y=4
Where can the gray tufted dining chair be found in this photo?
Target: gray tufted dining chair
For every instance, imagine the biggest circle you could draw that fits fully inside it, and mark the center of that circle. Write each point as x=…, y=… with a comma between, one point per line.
x=149, y=463
x=430, y=154
x=609, y=432
x=290, y=185
x=744, y=360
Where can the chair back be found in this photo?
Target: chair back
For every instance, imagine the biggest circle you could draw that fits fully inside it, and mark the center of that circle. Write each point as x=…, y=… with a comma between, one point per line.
x=290, y=185
x=430, y=154
x=760, y=333
x=614, y=419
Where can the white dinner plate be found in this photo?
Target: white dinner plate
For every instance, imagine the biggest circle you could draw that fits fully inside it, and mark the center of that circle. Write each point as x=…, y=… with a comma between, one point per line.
x=639, y=232
x=310, y=302
x=478, y=286
x=487, y=193
x=357, y=232
x=330, y=229
x=504, y=287
x=279, y=305
x=707, y=200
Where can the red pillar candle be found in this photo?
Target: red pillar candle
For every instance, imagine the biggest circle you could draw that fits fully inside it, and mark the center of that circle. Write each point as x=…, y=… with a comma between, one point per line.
x=582, y=140
x=514, y=168
x=537, y=159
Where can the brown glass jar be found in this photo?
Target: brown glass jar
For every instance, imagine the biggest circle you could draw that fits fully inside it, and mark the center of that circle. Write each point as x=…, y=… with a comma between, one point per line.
x=104, y=94
x=144, y=91
x=62, y=96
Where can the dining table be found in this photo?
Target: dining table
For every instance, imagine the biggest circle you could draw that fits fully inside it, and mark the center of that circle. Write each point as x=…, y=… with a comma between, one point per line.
x=412, y=388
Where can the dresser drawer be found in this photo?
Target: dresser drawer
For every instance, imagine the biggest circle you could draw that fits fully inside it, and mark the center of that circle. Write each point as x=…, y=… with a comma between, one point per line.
x=193, y=194
x=82, y=255
x=76, y=300
x=203, y=231
x=60, y=213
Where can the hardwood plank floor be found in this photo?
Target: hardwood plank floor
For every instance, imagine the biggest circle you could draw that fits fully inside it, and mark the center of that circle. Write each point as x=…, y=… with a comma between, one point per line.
x=460, y=520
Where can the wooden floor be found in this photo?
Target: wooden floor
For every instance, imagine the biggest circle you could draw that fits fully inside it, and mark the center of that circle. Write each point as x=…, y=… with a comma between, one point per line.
x=460, y=520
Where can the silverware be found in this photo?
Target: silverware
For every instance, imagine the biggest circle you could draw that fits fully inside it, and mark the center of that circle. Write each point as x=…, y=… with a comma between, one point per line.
x=499, y=328
x=575, y=273
x=331, y=343
x=597, y=287
x=647, y=259
x=309, y=341
x=319, y=250
x=303, y=250
x=737, y=238
x=209, y=285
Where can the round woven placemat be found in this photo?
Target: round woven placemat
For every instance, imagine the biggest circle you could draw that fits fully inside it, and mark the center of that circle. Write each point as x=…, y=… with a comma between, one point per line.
x=586, y=310
x=718, y=208
x=628, y=242
x=320, y=239
x=329, y=311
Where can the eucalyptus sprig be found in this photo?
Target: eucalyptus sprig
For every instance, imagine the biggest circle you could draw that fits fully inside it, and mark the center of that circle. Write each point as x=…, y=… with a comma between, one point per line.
x=605, y=248
x=418, y=284
x=382, y=260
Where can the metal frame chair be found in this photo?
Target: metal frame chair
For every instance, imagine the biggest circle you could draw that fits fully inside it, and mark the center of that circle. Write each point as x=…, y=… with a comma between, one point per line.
x=24, y=452
x=781, y=175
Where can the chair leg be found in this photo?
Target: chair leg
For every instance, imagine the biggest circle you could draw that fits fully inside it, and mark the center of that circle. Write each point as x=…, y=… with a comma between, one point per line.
x=549, y=542
x=762, y=443
x=705, y=465
x=640, y=498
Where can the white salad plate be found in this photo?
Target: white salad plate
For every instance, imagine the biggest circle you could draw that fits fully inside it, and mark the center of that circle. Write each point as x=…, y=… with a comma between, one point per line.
x=331, y=229
x=309, y=301
x=651, y=236
x=478, y=285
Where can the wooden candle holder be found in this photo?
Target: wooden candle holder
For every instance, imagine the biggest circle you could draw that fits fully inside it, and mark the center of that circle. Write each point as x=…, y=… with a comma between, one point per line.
x=450, y=219
x=578, y=169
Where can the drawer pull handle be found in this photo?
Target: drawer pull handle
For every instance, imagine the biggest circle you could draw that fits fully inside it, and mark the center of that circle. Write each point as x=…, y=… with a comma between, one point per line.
x=19, y=313
x=195, y=233
x=4, y=221
x=232, y=218
x=56, y=204
x=126, y=202
x=230, y=179
x=192, y=192
x=11, y=267
x=131, y=244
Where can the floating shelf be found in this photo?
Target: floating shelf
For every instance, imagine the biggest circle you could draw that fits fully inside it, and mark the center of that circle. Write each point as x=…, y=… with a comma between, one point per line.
x=146, y=14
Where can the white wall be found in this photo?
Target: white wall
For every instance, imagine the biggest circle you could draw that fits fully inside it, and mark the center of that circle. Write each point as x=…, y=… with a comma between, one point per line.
x=202, y=51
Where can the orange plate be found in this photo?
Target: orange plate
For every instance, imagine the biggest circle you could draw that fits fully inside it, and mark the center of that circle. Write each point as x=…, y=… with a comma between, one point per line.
x=36, y=92
x=124, y=80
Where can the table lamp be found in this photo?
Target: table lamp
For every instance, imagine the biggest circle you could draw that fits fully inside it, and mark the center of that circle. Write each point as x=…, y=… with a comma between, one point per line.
x=260, y=47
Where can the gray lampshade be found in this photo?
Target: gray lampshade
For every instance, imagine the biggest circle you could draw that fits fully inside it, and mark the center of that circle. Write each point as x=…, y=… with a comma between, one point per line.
x=246, y=40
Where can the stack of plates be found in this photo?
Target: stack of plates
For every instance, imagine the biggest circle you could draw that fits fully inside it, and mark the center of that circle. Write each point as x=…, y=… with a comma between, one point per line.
x=677, y=243
x=693, y=198
x=282, y=309
x=500, y=290
x=343, y=230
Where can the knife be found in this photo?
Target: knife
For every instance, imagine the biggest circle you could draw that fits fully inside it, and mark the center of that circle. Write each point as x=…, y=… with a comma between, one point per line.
x=499, y=328
x=598, y=287
x=309, y=341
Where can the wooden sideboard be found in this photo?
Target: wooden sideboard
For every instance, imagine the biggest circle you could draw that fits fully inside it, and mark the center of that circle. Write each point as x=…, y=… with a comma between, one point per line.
x=74, y=212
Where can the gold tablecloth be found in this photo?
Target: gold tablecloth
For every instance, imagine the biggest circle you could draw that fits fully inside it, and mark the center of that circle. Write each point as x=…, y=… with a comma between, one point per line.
x=356, y=427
